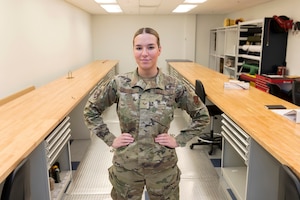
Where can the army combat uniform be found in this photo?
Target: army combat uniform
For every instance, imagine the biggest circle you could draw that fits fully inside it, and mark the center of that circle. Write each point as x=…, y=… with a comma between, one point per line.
x=145, y=108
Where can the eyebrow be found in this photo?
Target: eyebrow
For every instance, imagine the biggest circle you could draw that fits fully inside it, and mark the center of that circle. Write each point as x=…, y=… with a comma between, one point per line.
x=146, y=45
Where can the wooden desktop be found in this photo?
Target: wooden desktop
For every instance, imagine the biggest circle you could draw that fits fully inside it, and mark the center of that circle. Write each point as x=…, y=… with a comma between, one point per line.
x=26, y=121
x=274, y=139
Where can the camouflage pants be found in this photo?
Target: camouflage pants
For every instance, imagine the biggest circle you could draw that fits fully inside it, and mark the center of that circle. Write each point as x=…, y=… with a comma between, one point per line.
x=129, y=184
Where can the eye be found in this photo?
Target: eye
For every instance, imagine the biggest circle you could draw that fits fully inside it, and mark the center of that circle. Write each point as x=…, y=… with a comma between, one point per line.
x=138, y=48
x=151, y=47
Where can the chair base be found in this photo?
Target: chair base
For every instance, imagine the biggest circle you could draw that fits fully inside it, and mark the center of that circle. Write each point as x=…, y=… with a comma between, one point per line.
x=209, y=140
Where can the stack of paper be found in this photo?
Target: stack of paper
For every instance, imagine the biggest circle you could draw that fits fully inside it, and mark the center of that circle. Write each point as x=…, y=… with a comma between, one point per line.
x=291, y=114
x=235, y=84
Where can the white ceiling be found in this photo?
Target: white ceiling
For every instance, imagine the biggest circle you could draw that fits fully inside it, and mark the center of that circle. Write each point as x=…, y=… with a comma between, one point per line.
x=134, y=7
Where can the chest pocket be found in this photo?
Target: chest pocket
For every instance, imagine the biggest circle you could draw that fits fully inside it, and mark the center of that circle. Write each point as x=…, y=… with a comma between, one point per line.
x=158, y=106
x=157, y=100
x=129, y=99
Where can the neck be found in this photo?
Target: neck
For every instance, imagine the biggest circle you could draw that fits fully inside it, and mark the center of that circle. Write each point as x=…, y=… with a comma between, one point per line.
x=148, y=73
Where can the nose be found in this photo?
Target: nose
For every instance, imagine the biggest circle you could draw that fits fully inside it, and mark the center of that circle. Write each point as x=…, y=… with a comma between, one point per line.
x=144, y=52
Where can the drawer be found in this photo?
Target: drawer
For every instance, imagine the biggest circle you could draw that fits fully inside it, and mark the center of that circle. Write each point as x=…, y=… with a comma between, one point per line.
x=236, y=137
x=174, y=73
x=56, y=140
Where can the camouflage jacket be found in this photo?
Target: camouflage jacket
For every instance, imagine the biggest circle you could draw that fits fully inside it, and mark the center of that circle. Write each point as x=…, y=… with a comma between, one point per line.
x=145, y=109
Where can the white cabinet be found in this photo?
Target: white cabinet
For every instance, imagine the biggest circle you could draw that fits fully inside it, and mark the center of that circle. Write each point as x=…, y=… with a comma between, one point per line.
x=223, y=50
x=230, y=51
x=55, y=149
x=57, y=146
x=235, y=152
x=250, y=171
x=216, y=54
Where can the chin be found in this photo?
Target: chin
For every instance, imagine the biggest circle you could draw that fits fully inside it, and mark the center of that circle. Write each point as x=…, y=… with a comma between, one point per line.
x=145, y=65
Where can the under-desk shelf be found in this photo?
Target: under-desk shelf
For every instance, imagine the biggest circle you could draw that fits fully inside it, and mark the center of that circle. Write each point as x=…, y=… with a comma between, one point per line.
x=235, y=156
x=60, y=188
x=235, y=178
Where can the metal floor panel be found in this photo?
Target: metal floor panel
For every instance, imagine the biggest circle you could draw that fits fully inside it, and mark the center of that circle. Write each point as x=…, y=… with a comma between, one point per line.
x=87, y=197
x=195, y=164
x=199, y=179
x=91, y=177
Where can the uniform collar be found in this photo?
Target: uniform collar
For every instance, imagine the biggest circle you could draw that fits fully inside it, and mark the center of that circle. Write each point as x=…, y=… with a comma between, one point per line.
x=138, y=81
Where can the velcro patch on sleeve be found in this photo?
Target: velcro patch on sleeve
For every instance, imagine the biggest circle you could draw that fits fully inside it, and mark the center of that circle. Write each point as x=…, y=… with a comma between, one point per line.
x=196, y=100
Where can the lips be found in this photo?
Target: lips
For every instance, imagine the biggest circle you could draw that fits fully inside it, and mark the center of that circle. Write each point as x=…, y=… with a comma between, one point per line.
x=145, y=61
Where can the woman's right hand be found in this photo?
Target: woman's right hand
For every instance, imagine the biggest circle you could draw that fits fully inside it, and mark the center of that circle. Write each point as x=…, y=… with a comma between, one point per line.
x=123, y=140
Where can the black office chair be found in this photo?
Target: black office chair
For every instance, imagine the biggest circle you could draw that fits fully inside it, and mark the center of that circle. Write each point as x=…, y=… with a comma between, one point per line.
x=296, y=92
x=275, y=90
x=208, y=138
x=17, y=184
x=289, y=183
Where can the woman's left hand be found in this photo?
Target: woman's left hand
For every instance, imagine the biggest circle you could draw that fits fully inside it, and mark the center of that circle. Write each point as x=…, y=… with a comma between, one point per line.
x=166, y=140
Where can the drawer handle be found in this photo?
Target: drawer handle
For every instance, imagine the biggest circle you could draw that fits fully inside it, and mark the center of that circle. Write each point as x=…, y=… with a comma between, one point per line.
x=236, y=133
x=242, y=146
x=54, y=132
x=233, y=145
x=235, y=126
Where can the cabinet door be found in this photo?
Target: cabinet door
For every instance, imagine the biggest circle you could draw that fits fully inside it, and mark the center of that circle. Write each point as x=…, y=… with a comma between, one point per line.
x=273, y=49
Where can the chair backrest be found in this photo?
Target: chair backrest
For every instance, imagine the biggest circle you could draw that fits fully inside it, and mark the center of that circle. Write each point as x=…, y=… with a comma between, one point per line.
x=290, y=184
x=17, y=184
x=274, y=89
x=296, y=92
x=200, y=91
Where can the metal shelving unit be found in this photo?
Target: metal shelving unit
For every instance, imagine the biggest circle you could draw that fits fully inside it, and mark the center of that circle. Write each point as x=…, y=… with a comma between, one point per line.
x=251, y=43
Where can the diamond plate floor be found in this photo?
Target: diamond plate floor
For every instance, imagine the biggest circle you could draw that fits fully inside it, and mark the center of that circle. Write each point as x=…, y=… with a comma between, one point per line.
x=199, y=179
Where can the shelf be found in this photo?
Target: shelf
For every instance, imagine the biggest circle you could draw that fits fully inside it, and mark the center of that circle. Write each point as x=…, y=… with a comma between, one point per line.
x=229, y=41
x=59, y=188
x=250, y=57
x=243, y=38
x=229, y=68
x=230, y=55
x=236, y=178
x=252, y=22
x=217, y=56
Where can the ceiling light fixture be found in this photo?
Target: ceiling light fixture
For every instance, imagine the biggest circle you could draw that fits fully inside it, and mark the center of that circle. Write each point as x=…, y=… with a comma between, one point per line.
x=194, y=1
x=105, y=1
x=112, y=8
x=183, y=8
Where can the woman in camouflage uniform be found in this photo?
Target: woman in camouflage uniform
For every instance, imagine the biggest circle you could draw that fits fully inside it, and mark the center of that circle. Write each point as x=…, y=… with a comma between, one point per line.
x=146, y=99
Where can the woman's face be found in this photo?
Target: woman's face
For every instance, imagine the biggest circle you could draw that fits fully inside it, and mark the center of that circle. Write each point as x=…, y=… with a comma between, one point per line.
x=146, y=51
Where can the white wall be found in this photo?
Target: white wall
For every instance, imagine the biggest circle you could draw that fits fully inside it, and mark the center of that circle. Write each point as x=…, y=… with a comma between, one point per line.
x=113, y=35
x=204, y=24
x=289, y=8
x=41, y=40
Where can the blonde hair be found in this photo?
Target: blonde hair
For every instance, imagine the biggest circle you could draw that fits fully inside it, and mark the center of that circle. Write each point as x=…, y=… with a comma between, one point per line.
x=149, y=31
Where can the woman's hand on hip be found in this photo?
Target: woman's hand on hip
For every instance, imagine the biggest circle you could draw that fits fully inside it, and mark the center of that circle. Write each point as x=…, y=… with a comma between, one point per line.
x=123, y=140
x=167, y=140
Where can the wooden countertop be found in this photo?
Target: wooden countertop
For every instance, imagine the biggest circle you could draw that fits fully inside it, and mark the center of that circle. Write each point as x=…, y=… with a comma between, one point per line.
x=26, y=121
x=278, y=135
